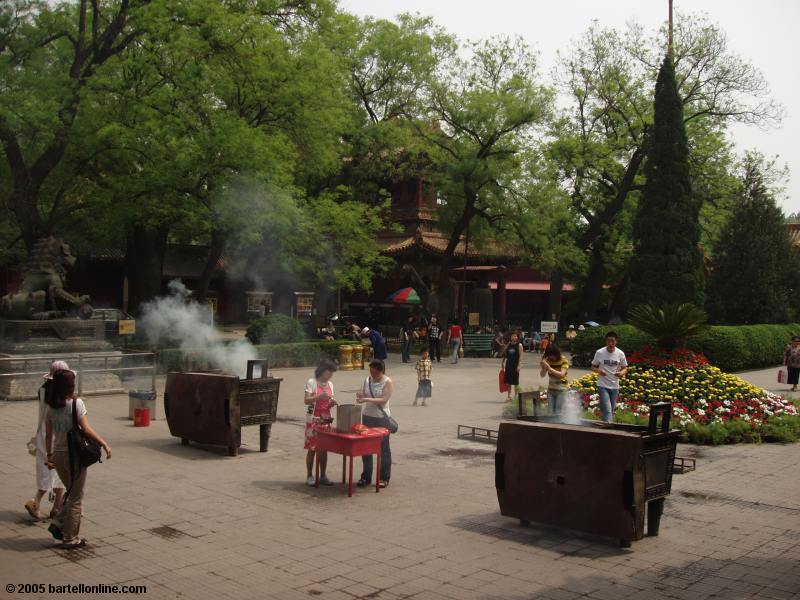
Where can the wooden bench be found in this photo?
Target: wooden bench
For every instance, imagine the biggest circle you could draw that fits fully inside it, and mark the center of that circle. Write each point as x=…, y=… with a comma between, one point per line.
x=476, y=343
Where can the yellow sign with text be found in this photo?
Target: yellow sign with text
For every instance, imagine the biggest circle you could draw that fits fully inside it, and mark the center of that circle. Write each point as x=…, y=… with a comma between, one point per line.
x=474, y=319
x=127, y=327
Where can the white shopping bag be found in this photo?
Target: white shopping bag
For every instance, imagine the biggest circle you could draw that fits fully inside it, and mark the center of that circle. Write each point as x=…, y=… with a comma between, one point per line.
x=783, y=375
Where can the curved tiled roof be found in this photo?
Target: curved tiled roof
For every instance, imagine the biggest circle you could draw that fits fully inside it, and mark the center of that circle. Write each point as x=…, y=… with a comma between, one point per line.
x=435, y=242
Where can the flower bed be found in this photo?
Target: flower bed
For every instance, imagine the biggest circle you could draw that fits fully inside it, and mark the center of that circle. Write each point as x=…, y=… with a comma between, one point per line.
x=701, y=396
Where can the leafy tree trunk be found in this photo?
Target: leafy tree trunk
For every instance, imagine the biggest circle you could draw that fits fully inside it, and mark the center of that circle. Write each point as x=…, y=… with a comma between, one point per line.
x=144, y=263
x=33, y=158
x=609, y=213
x=593, y=287
x=619, y=303
x=31, y=226
x=556, y=294
x=445, y=289
x=214, y=254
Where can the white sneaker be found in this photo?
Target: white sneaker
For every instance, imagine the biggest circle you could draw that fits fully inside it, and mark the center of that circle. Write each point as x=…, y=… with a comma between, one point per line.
x=311, y=481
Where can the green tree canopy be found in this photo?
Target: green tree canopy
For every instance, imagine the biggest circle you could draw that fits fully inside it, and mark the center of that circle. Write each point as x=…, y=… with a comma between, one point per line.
x=756, y=270
x=599, y=141
x=667, y=265
x=486, y=109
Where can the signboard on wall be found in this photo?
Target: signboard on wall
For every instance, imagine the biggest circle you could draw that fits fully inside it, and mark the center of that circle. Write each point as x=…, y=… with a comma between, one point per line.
x=549, y=326
x=127, y=327
x=474, y=319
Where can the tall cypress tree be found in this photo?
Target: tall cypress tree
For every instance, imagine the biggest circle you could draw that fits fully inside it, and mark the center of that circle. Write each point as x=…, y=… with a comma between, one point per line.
x=667, y=266
x=756, y=267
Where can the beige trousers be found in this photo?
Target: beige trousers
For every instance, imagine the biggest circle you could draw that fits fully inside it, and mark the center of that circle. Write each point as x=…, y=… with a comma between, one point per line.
x=70, y=515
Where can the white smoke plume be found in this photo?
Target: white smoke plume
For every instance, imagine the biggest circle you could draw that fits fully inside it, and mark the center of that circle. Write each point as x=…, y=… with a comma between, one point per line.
x=571, y=410
x=178, y=319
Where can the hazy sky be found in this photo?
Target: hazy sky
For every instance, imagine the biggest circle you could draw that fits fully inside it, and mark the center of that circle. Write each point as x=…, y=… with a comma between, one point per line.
x=763, y=33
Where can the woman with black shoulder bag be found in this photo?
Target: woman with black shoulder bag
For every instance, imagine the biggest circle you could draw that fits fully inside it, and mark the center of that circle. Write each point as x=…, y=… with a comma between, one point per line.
x=65, y=413
x=375, y=396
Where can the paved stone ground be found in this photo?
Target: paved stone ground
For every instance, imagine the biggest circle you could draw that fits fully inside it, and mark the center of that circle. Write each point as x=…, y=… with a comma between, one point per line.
x=190, y=522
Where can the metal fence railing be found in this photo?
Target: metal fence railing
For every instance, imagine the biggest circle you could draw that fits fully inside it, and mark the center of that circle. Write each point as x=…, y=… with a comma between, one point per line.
x=126, y=365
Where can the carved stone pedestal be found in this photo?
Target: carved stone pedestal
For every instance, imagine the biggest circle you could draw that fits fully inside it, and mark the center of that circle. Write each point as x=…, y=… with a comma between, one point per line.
x=28, y=347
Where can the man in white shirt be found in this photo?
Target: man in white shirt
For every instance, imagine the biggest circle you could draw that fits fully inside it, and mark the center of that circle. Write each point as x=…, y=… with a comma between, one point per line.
x=610, y=365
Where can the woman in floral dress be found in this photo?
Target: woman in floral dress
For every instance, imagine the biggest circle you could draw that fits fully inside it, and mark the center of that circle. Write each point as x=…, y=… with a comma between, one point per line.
x=791, y=358
x=319, y=400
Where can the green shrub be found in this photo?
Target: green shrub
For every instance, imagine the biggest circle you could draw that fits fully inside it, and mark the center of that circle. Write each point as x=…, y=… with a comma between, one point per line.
x=670, y=324
x=741, y=431
x=275, y=329
x=629, y=418
x=724, y=347
x=587, y=342
x=729, y=347
x=170, y=359
x=303, y=354
x=781, y=429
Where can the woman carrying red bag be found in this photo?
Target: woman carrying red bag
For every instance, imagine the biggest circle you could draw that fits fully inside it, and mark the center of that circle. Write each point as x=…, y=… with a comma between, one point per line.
x=512, y=363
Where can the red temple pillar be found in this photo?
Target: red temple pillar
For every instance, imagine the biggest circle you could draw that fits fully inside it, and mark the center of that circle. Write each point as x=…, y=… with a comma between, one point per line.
x=501, y=295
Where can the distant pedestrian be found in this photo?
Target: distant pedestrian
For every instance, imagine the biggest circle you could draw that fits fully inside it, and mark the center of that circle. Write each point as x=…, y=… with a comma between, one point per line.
x=435, y=339
x=571, y=334
x=378, y=343
x=791, y=358
x=544, y=343
x=59, y=418
x=499, y=344
x=537, y=341
x=610, y=365
x=555, y=366
x=319, y=400
x=512, y=364
x=424, y=383
x=454, y=337
x=407, y=338
x=46, y=478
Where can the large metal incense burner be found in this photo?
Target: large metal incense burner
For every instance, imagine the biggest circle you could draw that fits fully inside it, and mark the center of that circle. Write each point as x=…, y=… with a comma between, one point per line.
x=212, y=407
x=594, y=477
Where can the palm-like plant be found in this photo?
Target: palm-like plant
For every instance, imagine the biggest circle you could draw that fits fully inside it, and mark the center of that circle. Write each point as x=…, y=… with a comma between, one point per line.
x=670, y=325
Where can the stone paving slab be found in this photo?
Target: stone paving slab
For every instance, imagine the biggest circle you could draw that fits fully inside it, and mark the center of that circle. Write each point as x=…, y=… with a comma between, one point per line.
x=191, y=522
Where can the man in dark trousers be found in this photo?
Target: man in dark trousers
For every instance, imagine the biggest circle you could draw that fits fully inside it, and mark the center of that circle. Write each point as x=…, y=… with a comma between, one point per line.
x=407, y=337
x=435, y=339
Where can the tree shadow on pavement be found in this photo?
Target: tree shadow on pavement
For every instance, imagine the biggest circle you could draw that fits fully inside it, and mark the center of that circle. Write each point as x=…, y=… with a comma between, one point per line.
x=741, y=577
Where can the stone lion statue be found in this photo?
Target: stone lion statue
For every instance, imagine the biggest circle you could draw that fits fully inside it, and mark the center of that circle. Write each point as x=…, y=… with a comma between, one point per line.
x=42, y=294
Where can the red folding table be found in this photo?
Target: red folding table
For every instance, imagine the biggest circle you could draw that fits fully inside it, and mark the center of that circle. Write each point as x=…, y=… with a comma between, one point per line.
x=352, y=445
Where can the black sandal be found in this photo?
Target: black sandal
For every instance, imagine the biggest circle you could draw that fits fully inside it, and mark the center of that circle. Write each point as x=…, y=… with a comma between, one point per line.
x=78, y=544
x=383, y=483
x=362, y=482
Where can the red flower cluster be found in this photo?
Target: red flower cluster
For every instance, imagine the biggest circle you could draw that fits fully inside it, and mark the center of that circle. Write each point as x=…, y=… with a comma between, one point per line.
x=752, y=410
x=657, y=357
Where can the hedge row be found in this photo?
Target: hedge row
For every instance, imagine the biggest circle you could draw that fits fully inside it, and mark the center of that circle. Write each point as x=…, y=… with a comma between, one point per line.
x=301, y=354
x=731, y=348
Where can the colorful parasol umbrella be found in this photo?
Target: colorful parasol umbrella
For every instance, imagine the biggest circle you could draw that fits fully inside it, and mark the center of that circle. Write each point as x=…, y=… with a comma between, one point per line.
x=405, y=296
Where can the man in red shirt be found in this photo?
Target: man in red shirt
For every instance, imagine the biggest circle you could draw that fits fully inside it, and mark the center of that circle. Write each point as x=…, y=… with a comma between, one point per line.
x=454, y=335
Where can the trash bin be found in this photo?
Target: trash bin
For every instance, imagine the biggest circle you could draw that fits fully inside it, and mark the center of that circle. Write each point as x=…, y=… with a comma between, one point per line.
x=358, y=357
x=141, y=417
x=345, y=358
x=142, y=399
